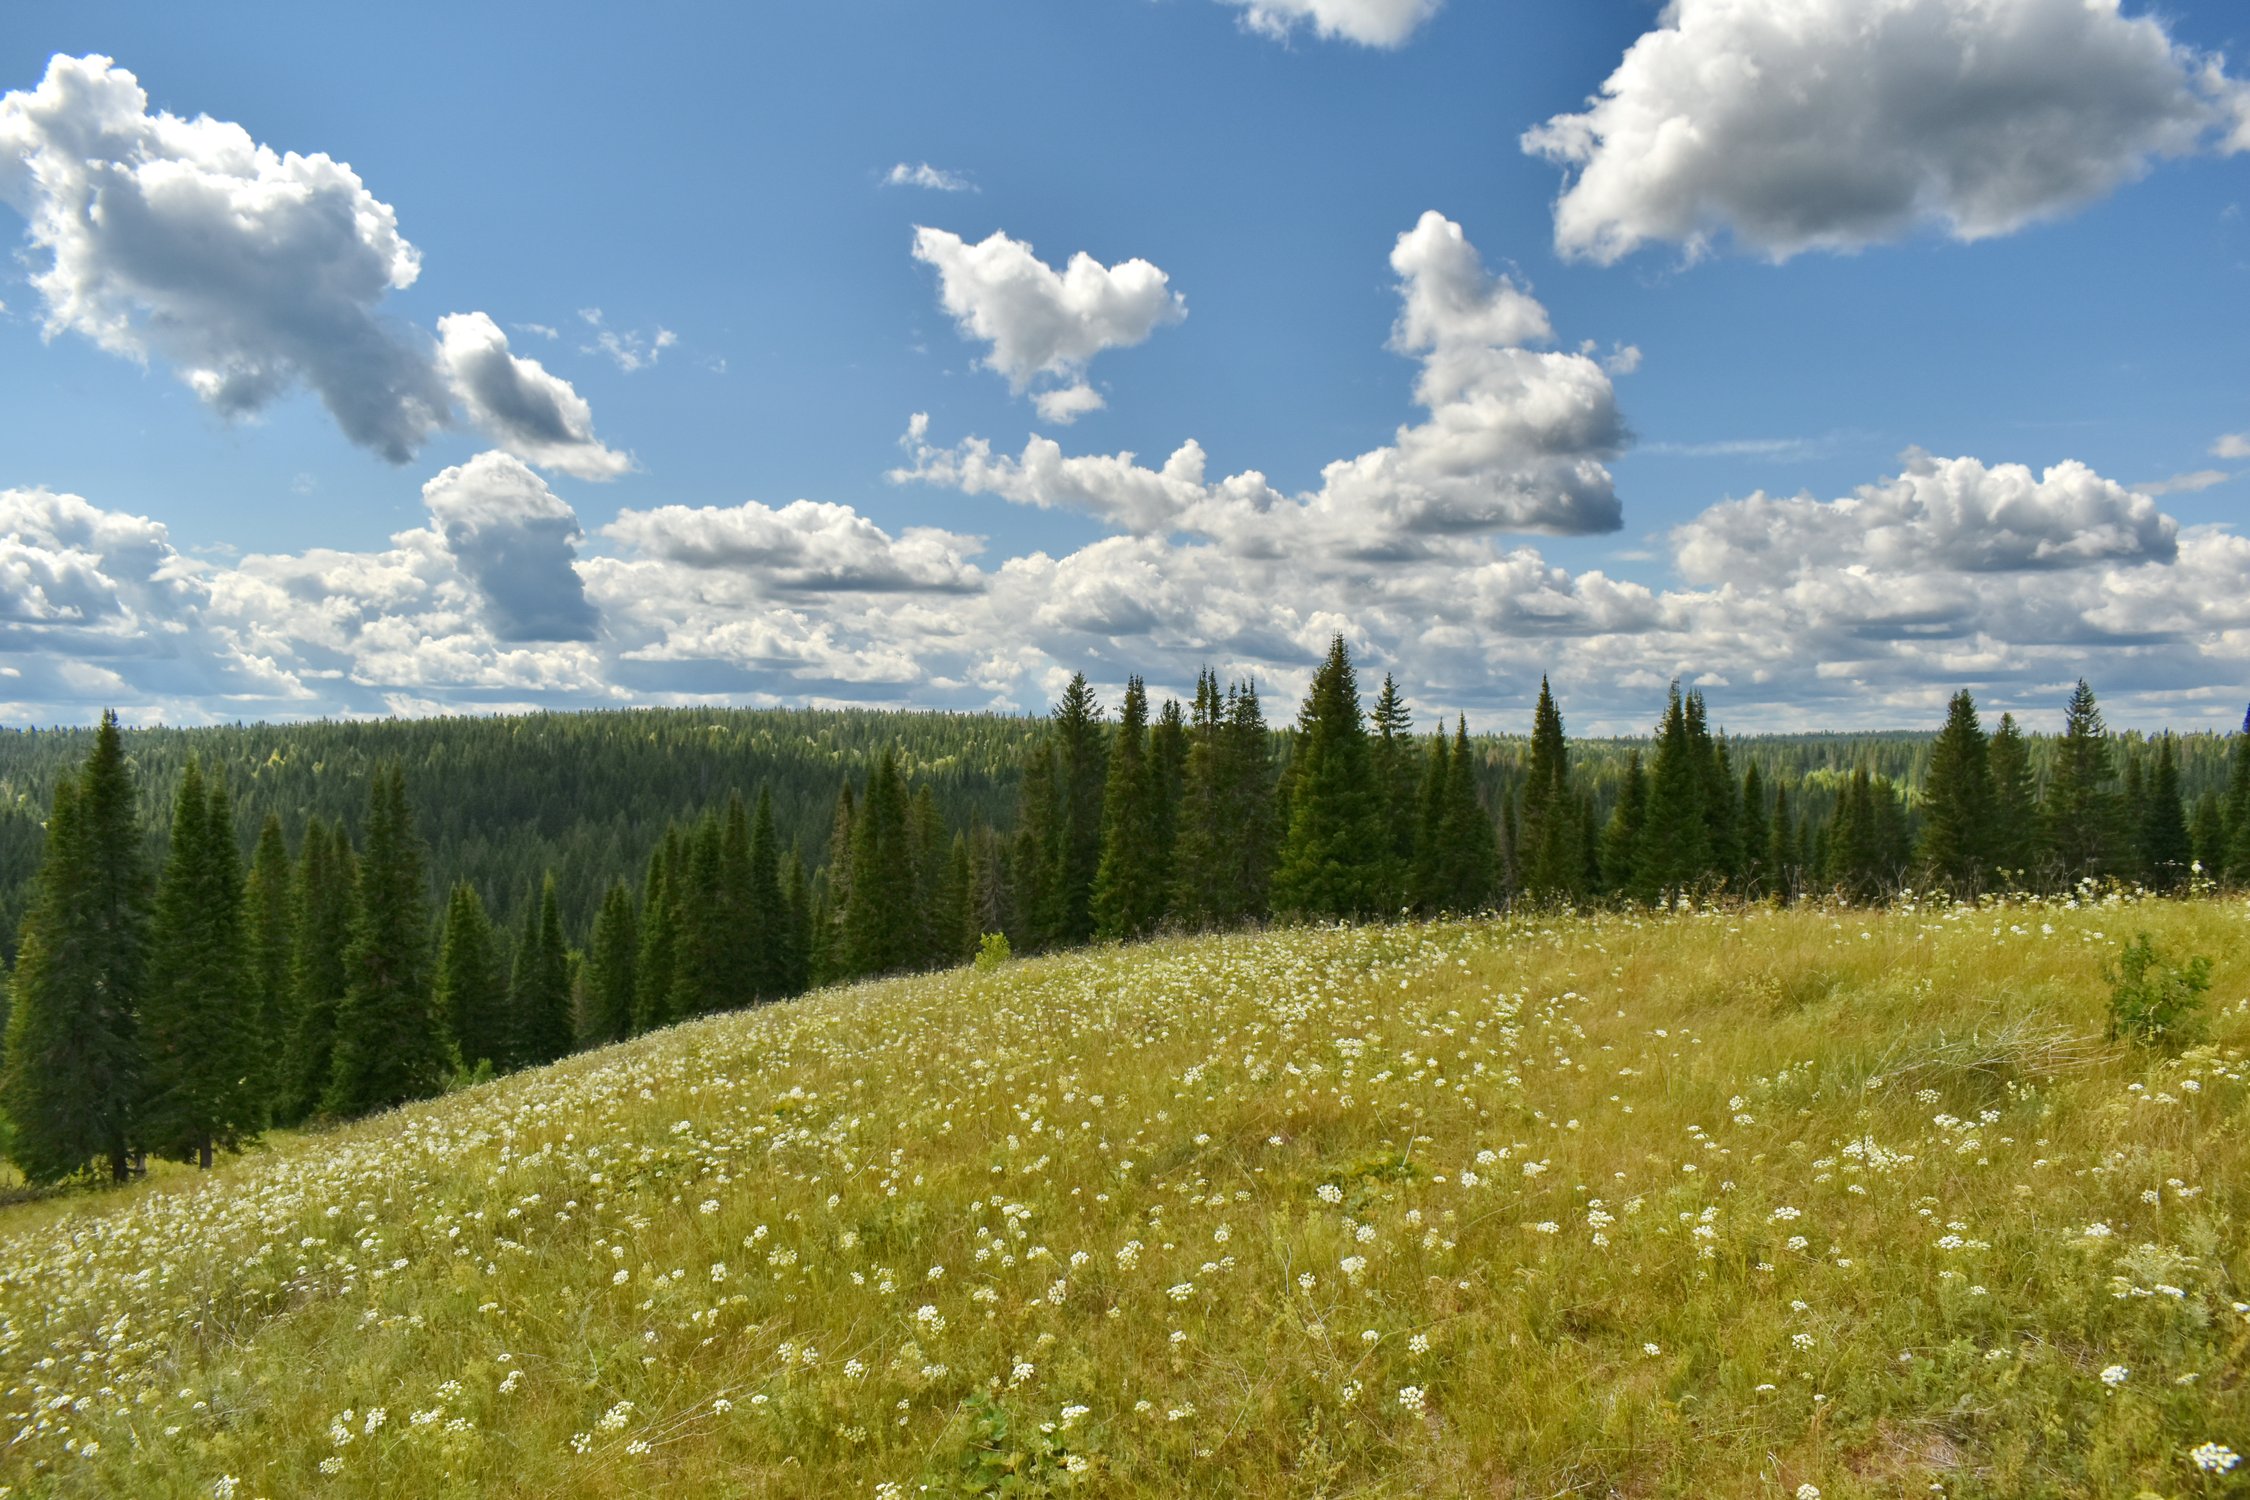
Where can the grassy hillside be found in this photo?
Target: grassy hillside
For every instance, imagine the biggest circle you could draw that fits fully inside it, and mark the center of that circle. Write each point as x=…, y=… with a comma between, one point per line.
x=1720, y=1204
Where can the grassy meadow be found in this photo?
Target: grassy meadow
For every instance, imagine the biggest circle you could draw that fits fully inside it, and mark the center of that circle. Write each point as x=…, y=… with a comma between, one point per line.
x=1727, y=1203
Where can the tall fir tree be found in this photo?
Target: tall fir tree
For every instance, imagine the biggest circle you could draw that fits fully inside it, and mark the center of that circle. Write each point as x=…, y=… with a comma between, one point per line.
x=929, y=850
x=327, y=902
x=1784, y=859
x=1426, y=879
x=1082, y=773
x=2208, y=831
x=1036, y=854
x=269, y=909
x=699, y=957
x=1167, y=760
x=1332, y=856
x=742, y=963
x=2234, y=864
x=1957, y=814
x=2166, y=846
x=1254, y=852
x=659, y=946
x=539, y=989
x=202, y=1084
x=1621, y=836
x=795, y=944
x=880, y=922
x=1199, y=853
x=1757, y=834
x=2082, y=815
x=1674, y=851
x=471, y=986
x=1547, y=840
x=391, y=1044
x=1128, y=884
x=767, y=910
x=2014, y=827
x=70, y=1083
x=610, y=957
x=1468, y=843
x=988, y=883
x=1398, y=773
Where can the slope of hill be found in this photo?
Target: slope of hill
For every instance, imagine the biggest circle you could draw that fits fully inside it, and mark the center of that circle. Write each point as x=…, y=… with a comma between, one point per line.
x=1746, y=1203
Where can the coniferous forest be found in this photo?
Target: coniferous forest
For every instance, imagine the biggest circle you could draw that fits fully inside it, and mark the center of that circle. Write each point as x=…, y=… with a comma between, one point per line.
x=217, y=932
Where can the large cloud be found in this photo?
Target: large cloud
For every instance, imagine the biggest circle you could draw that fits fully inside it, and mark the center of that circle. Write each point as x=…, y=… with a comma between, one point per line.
x=1044, y=325
x=249, y=270
x=533, y=414
x=804, y=547
x=1830, y=124
x=1371, y=23
x=254, y=271
x=517, y=541
x=1517, y=439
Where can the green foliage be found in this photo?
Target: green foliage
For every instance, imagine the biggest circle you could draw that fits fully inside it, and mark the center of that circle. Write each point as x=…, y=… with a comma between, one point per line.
x=1957, y=811
x=471, y=986
x=1129, y=882
x=2155, y=1003
x=391, y=1044
x=998, y=1457
x=608, y=1013
x=539, y=988
x=1332, y=856
x=326, y=902
x=992, y=952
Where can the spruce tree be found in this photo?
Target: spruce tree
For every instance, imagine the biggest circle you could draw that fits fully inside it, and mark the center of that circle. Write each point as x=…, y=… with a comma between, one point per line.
x=1468, y=848
x=471, y=989
x=1722, y=832
x=1332, y=857
x=1674, y=851
x=609, y=969
x=1256, y=809
x=741, y=960
x=327, y=901
x=391, y=1044
x=1167, y=761
x=1199, y=852
x=1128, y=885
x=203, y=1080
x=949, y=916
x=1621, y=837
x=2234, y=866
x=1757, y=834
x=2082, y=816
x=2209, y=834
x=1783, y=858
x=2166, y=846
x=880, y=923
x=2015, y=804
x=1957, y=804
x=1427, y=880
x=767, y=912
x=1082, y=773
x=1036, y=854
x=794, y=948
x=700, y=948
x=269, y=908
x=1398, y=770
x=928, y=850
x=988, y=884
x=1547, y=842
x=70, y=1083
x=659, y=944
x=539, y=991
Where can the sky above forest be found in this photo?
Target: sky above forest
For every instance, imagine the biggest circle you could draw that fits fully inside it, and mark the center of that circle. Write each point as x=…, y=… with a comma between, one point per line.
x=1828, y=356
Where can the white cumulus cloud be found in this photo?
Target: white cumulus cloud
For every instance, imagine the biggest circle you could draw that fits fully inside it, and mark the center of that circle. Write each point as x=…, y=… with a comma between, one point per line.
x=1042, y=324
x=516, y=540
x=519, y=403
x=923, y=175
x=2233, y=445
x=248, y=269
x=1371, y=23
x=1793, y=125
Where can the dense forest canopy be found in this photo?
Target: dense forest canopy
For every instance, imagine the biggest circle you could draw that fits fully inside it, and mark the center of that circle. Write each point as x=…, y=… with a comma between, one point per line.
x=502, y=801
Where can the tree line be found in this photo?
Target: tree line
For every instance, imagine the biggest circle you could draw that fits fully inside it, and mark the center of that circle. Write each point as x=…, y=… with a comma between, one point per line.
x=180, y=1006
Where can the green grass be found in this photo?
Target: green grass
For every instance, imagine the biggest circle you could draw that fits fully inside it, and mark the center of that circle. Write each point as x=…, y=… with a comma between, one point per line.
x=1717, y=1204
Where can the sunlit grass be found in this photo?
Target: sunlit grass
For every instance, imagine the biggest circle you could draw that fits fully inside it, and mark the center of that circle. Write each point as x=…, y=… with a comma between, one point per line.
x=1707, y=1204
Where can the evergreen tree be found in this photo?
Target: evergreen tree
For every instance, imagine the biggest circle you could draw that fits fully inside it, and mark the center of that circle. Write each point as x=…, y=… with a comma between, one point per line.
x=742, y=960
x=2082, y=815
x=2234, y=866
x=1468, y=848
x=1722, y=832
x=1427, y=884
x=1784, y=857
x=1037, y=851
x=1167, y=759
x=1621, y=838
x=1332, y=858
x=949, y=917
x=880, y=922
x=766, y=915
x=2131, y=863
x=1199, y=853
x=2165, y=843
x=1757, y=834
x=70, y=1082
x=795, y=947
x=1128, y=885
x=929, y=851
x=699, y=937
x=2014, y=827
x=1083, y=775
x=539, y=991
x=269, y=909
x=1674, y=851
x=472, y=992
x=609, y=969
x=391, y=1044
x=988, y=884
x=202, y=1088
x=1398, y=772
x=327, y=902
x=1547, y=843
x=1957, y=803
x=1251, y=794
x=653, y=963
x=2210, y=834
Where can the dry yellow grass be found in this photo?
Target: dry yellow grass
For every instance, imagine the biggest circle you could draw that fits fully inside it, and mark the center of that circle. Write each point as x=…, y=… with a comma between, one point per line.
x=1729, y=1203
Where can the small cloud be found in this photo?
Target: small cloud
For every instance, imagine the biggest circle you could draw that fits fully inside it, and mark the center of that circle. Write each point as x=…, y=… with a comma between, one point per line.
x=540, y=330
x=2186, y=484
x=1623, y=359
x=303, y=484
x=591, y=316
x=1067, y=405
x=1779, y=449
x=2233, y=445
x=923, y=175
x=633, y=351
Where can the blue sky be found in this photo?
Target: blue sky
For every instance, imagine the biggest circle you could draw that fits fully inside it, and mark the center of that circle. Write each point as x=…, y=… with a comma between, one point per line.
x=1759, y=321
